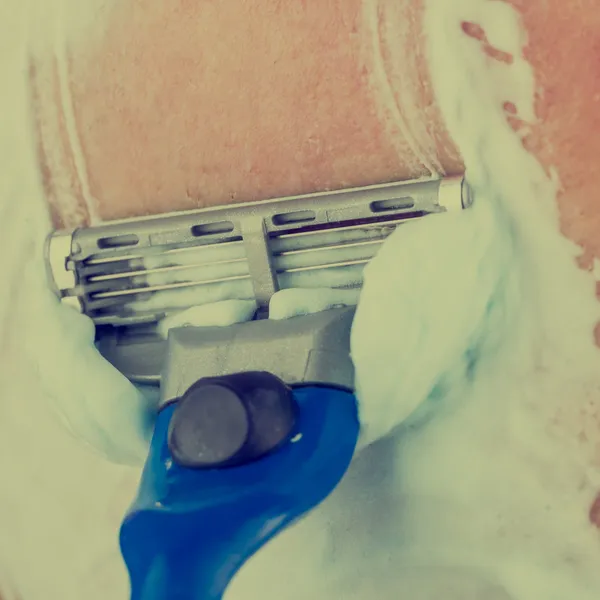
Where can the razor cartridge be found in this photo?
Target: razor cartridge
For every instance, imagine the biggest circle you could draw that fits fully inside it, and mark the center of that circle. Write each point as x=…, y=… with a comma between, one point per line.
x=130, y=275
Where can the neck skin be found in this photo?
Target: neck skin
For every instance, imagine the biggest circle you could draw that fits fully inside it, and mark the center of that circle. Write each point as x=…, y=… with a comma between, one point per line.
x=148, y=119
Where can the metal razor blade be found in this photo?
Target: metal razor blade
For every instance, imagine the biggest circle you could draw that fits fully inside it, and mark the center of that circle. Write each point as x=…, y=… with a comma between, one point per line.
x=130, y=274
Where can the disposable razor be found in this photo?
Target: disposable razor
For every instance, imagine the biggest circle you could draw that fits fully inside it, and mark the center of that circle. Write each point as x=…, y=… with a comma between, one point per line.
x=257, y=421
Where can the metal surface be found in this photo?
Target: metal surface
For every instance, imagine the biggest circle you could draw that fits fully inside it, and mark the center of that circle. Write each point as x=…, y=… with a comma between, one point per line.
x=308, y=349
x=130, y=274
x=133, y=271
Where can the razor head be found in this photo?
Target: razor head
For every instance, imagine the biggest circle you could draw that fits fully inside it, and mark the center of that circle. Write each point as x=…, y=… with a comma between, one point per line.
x=129, y=275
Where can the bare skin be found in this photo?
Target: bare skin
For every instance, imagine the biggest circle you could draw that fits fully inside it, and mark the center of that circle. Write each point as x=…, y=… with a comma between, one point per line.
x=183, y=104
x=173, y=131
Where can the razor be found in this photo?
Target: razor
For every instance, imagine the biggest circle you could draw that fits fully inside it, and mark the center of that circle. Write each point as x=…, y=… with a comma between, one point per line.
x=257, y=420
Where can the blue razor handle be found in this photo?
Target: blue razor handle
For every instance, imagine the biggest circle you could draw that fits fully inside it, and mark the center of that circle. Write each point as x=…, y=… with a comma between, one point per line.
x=232, y=462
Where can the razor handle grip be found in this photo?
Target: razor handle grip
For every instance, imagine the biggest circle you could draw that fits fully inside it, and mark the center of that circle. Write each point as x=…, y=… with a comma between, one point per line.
x=201, y=512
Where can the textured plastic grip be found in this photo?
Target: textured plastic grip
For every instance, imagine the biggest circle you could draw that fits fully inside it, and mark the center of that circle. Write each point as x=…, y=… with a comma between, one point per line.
x=189, y=531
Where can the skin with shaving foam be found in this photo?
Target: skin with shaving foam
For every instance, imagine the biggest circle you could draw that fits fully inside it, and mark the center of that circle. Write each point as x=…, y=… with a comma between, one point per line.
x=107, y=161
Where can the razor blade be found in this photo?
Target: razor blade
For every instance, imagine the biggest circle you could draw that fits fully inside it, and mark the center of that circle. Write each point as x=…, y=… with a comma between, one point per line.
x=129, y=275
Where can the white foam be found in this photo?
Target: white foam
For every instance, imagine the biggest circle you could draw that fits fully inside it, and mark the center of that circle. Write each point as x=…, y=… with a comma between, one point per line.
x=59, y=501
x=296, y=302
x=473, y=344
x=216, y=314
x=284, y=304
x=428, y=301
x=49, y=337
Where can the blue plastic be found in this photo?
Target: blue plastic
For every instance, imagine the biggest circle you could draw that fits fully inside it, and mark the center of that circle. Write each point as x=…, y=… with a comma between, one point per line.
x=189, y=531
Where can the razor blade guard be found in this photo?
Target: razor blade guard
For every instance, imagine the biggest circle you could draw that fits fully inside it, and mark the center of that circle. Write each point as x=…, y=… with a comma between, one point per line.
x=128, y=275
x=190, y=530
